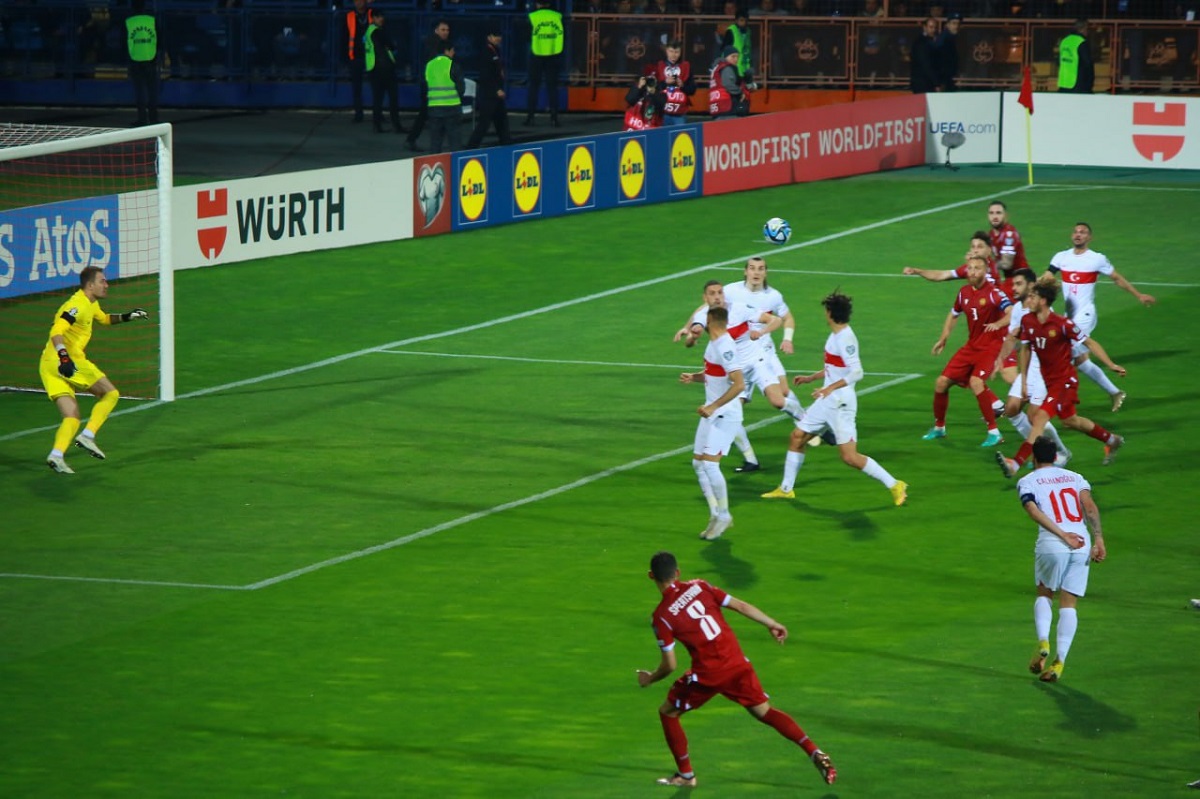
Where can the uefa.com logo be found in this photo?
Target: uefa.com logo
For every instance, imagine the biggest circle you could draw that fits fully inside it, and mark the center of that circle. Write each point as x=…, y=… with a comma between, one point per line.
x=1164, y=144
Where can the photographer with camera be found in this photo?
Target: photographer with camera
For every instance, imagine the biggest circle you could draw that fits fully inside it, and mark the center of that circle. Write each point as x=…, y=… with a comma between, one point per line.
x=645, y=103
x=675, y=82
x=728, y=92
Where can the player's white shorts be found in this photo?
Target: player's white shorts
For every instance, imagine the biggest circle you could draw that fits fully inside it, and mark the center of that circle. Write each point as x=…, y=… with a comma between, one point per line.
x=762, y=374
x=714, y=435
x=1037, y=387
x=837, y=414
x=1063, y=571
x=1085, y=319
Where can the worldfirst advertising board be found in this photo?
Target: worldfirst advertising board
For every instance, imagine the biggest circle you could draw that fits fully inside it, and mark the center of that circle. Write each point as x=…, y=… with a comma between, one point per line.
x=320, y=209
x=555, y=178
x=831, y=141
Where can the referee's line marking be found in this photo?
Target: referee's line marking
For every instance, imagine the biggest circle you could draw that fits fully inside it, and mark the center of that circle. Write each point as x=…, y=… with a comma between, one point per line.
x=439, y=528
x=295, y=370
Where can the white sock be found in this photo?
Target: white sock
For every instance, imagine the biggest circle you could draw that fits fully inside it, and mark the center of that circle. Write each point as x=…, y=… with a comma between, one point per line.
x=55, y=453
x=792, y=406
x=1042, y=613
x=719, y=488
x=87, y=433
x=791, y=468
x=873, y=469
x=1068, y=622
x=705, y=486
x=1052, y=433
x=743, y=444
x=1021, y=422
x=1097, y=375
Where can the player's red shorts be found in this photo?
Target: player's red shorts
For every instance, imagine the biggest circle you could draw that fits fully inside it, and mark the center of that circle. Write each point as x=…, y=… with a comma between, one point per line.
x=1061, y=399
x=741, y=686
x=971, y=361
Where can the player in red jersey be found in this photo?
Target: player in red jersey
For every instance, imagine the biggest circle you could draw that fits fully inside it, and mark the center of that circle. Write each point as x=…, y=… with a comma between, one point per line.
x=983, y=303
x=1052, y=336
x=691, y=612
x=1007, y=247
x=980, y=246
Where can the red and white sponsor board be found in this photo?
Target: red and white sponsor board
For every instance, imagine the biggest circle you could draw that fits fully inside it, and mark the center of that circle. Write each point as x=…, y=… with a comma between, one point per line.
x=239, y=220
x=1105, y=130
x=814, y=144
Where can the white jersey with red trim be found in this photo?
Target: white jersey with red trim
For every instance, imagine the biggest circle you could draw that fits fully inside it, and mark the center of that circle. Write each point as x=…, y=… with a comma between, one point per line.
x=1014, y=329
x=765, y=300
x=842, y=363
x=1057, y=493
x=1079, y=272
x=721, y=358
x=741, y=318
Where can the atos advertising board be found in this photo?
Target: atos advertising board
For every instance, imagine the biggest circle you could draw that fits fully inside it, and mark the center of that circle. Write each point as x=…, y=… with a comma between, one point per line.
x=238, y=220
x=1105, y=130
x=45, y=247
x=814, y=144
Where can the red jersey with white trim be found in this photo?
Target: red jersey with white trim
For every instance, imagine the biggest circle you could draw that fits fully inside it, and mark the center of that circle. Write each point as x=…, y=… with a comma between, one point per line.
x=1079, y=272
x=981, y=306
x=690, y=612
x=1007, y=241
x=721, y=358
x=1019, y=312
x=993, y=274
x=1052, y=341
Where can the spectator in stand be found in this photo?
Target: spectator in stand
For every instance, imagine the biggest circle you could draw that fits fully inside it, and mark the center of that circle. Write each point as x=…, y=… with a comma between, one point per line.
x=871, y=8
x=656, y=8
x=644, y=104
x=801, y=8
x=923, y=61
x=1076, y=70
x=675, y=83
x=380, y=63
x=697, y=8
x=767, y=8
x=946, y=52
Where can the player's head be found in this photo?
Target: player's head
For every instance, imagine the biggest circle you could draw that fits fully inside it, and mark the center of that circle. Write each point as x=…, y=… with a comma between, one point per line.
x=997, y=213
x=714, y=294
x=976, y=271
x=839, y=307
x=92, y=279
x=1045, y=291
x=663, y=567
x=980, y=245
x=1044, y=451
x=756, y=272
x=1081, y=234
x=1022, y=279
x=718, y=320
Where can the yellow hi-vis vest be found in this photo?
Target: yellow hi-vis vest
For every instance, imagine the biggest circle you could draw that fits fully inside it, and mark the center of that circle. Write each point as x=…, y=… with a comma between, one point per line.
x=142, y=37
x=442, y=92
x=547, y=32
x=1068, y=61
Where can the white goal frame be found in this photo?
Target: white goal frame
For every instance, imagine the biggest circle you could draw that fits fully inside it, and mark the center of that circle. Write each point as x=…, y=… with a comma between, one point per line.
x=63, y=142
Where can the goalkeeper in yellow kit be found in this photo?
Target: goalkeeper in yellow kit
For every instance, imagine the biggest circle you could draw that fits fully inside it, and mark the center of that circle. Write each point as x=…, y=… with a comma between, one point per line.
x=64, y=366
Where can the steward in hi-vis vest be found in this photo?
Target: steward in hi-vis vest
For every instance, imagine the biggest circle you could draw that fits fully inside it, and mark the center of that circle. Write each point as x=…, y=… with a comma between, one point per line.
x=141, y=37
x=545, y=49
x=443, y=76
x=358, y=19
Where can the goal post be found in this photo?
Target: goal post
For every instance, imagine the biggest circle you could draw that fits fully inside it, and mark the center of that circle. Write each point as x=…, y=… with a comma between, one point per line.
x=76, y=197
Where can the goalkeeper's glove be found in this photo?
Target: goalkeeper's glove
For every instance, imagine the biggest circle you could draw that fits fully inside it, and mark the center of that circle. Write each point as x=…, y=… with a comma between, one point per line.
x=66, y=367
x=136, y=313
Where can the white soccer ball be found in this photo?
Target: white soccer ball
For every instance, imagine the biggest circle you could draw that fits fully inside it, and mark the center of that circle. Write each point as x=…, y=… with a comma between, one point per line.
x=777, y=231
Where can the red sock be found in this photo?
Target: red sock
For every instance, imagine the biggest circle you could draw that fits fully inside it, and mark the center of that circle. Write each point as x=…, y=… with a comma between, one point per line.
x=677, y=743
x=1100, y=434
x=1023, y=453
x=940, y=403
x=786, y=726
x=985, y=399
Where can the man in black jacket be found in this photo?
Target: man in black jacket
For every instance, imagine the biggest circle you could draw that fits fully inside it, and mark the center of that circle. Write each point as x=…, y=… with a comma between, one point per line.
x=923, y=61
x=491, y=105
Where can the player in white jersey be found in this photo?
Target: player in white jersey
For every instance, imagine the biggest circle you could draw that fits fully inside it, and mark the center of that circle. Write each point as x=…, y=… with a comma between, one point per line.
x=720, y=418
x=836, y=406
x=1080, y=268
x=1022, y=281
x=755, y=292
x=1069, y=539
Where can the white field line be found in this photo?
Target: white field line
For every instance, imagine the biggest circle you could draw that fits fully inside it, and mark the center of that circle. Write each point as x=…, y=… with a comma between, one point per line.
x=160, y=583
x=553, y=492
x=527, y=314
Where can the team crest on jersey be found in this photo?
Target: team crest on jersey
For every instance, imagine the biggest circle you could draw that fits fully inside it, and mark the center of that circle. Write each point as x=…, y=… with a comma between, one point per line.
x=983, y=300
x=727, y=356
x=850, y=350
x=1052, y=333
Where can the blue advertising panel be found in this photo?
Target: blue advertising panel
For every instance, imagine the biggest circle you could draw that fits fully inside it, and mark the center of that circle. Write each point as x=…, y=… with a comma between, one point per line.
x=552, y=178
x=45, y=247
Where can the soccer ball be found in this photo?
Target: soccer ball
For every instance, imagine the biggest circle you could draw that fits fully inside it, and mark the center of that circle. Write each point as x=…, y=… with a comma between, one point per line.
x=777, y=231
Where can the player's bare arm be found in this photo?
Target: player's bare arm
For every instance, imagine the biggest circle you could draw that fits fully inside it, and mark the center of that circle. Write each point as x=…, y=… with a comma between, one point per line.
x=1073, y=540
x=947, y=328
x=932, y=275
x=800, y=380
x=825, y=391
x=1144, y=299
x=737, y=384
x=666, y=667
x=770, y=323
x=691, y=377
x=1097, y=350
x=778, y=631
x=789, y=330
x=1091, y=515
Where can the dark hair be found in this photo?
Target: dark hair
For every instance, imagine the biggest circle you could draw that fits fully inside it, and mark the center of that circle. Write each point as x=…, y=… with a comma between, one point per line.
x=999, y=203
x=676, y=43
x=663, y=566
x=712, y=283
x=982, y=235
x=1084, y=224
x=1044, y=450
x=88, y=275
x=839, y=307
x=1046, y=291
x=1027, y=273
x=437, y=23
x=719, y=315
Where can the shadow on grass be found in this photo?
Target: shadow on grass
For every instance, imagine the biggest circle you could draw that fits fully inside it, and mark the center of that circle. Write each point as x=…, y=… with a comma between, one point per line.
x=735, y=573
x=1085, y=716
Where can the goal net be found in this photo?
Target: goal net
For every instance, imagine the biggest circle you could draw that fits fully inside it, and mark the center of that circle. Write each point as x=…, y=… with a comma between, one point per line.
x=76, y=197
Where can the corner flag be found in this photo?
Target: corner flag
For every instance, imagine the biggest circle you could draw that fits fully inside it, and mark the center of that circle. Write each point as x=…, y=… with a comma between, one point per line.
x=1025, y=98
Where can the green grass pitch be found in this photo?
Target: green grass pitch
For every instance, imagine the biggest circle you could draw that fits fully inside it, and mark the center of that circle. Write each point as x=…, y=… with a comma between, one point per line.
x=392, y=539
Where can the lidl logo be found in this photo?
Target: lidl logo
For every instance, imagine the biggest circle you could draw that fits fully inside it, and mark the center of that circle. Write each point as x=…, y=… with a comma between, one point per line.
x=527, y=183
x=683, y=163
x=472, y=190
x=633, y=169
x=581, y=177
